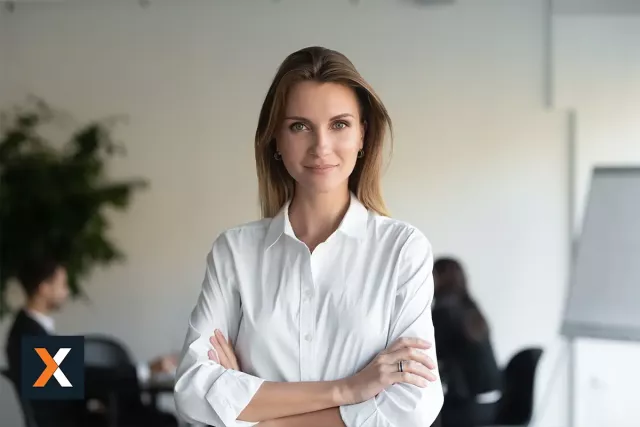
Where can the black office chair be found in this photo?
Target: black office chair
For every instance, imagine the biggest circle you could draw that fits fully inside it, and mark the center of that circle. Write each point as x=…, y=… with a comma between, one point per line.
x=515, y=408
x=111, y=377
x=105, y=352
x=27, y=410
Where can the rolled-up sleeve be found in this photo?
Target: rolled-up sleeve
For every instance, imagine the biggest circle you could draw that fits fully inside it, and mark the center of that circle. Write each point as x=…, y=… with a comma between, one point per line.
x=205, y=392
x=406, y=405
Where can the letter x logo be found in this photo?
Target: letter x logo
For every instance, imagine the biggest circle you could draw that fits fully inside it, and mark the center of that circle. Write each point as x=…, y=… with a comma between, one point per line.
x=52, y=367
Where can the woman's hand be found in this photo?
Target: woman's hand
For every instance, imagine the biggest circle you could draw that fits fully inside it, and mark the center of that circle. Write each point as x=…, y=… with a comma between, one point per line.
x=226, y=356
x=384, y=371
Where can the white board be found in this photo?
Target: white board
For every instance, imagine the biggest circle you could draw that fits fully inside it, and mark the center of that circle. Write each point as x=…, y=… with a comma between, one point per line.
x=604, y=297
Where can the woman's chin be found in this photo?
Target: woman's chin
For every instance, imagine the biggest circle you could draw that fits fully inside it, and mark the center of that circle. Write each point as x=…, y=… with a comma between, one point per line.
x=323, y=186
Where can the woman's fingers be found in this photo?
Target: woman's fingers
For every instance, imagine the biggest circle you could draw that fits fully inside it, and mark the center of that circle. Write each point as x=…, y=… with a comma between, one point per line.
x=409, y=378
x=228, y=349
x=222, y=357
x=418, y=369
x=408, y=342
x=412, y=373
x=224, y=350
x=212, y=356
x=410, y=354
x=416, y=366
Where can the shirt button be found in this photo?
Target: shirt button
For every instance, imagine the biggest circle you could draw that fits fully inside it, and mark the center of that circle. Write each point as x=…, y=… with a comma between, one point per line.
x=307, y=337
x=308, y=294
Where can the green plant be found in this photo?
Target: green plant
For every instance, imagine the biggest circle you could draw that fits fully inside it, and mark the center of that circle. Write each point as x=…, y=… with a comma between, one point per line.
x=54, y=197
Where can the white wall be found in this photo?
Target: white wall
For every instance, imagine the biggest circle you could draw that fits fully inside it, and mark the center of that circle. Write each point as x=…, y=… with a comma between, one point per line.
x=597, y=75
x=4, y=53
x=596, y=7
x=479, y=163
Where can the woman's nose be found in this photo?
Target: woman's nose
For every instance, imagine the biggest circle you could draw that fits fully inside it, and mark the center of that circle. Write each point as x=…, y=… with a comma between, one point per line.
x=321, y=143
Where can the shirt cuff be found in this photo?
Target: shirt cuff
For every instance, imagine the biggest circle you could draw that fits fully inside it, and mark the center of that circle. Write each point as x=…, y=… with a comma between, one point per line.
x=230, y=394
x=357, y=415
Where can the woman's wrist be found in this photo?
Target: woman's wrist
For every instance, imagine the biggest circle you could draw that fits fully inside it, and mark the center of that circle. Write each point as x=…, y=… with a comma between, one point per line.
x=343, y=392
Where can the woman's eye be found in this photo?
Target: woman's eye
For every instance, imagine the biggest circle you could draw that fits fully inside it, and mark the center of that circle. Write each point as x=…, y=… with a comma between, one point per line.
x=297, y=127
x=340, y=125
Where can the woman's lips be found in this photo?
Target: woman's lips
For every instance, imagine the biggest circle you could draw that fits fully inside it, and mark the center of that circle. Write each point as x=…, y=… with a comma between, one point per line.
x=321, y=168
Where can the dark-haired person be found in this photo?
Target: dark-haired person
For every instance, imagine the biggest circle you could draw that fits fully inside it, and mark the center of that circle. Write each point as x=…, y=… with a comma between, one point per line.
x=45, y=284
x=44, y=281
x=467, y=362
x=327, y=299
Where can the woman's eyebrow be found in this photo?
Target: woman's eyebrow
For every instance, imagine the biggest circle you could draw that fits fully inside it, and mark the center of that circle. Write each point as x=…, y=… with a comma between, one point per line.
x=304, y=119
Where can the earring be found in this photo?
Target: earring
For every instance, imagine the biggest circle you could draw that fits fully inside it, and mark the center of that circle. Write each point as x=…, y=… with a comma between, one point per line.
x=360, y=153
x=277, y=156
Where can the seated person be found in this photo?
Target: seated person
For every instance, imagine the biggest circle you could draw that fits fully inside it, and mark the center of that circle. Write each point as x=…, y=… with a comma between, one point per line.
x=45, y=283
x=467, y=363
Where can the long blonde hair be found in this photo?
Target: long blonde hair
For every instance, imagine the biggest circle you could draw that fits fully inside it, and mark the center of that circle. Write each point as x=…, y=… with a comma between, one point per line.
x=323, y=65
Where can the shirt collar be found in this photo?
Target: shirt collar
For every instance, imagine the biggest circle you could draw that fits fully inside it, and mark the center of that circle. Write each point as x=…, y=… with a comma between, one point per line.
x=354, y=223
x=45, y=321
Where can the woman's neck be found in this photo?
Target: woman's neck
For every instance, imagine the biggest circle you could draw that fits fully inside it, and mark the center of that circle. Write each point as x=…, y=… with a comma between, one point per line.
x=314, y=217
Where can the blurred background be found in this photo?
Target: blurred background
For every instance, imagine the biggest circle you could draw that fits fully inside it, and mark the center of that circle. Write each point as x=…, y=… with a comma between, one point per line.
x=502, y=108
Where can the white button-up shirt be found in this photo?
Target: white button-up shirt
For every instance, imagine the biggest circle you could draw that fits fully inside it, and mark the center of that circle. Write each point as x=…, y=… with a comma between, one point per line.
x=294, y=315
x=44, y=320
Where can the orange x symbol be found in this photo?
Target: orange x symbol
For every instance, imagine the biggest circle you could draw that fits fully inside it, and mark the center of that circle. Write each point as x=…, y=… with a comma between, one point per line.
x=51, y=364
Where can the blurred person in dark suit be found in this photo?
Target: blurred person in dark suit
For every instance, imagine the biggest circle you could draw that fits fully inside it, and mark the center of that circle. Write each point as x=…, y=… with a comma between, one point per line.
x=44, y=281
x=465, y=354
x=45, y=284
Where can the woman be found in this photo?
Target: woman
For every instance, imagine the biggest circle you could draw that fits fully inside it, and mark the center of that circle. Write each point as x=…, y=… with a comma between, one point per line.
x=326, y=300
x=465, y=354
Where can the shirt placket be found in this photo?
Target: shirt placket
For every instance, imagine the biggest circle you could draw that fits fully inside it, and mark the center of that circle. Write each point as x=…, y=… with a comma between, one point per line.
x=307, y=322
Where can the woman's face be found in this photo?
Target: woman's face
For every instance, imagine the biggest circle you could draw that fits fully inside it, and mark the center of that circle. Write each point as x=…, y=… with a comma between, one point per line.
x=320, y=136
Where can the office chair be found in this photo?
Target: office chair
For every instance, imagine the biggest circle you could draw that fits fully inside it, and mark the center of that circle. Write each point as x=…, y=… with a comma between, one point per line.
x=110, y=375
x=105, y=352
x=515, y=408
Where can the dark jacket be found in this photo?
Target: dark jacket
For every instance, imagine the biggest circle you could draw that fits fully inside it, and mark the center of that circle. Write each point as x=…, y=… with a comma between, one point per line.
x=469, y=364
x=98, y=381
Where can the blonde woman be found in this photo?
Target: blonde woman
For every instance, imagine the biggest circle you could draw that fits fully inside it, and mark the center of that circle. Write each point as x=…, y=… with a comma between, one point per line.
x=320, y=313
